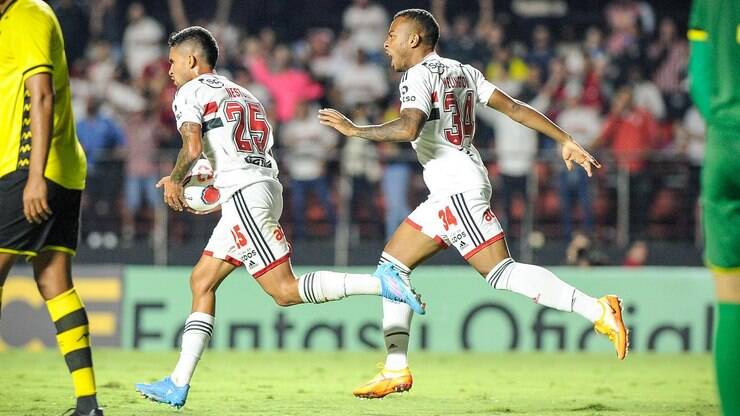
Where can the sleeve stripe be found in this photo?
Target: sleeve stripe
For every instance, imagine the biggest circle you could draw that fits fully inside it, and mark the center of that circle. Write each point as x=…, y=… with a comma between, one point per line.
x=697, y=35
x=38, y=66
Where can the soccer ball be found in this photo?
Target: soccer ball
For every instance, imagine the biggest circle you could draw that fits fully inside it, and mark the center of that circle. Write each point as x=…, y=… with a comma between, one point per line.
x=198, y=189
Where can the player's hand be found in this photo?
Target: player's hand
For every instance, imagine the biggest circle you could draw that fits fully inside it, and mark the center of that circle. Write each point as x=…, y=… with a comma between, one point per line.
x=172, y=193
x=574, y=153
x=192, y=211
x=35, y=204
x=333, y=118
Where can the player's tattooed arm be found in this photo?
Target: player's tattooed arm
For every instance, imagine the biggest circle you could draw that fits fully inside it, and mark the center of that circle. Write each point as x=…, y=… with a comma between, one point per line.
x=403, y=129
x=192, y=147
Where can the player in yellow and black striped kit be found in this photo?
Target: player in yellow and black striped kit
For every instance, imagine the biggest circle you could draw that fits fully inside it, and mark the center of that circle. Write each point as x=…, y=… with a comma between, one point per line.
x=42, y=174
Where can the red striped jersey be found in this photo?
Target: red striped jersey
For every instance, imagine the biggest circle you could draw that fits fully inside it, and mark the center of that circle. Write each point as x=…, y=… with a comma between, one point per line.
x=237, y=138
x=447, y=92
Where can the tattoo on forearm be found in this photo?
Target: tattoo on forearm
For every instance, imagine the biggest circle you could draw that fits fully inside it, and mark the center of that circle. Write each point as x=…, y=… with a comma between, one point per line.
x=184, y=158
x=399, y=129
x=383, y=132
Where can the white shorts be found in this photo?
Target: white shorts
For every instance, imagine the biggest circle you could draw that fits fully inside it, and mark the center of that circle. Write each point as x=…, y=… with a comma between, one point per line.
x=463, y=220
x=249, y=232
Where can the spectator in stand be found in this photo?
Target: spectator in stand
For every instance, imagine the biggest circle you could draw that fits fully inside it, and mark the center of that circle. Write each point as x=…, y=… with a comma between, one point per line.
x=504, y=67
x=396, y=179
x=317, y=54
x=541, y=52
x=367, y=24
x=492, y=36
x=361, y=83
x=593, y=45
x=102, y=139
x=288, y=86
x=515, y=146
x=669, y=56
x=105, y=21
x=461, y=43
x=630, y=132
x=143, y=134
x=307, y=146
x=593, y=75
x=583, y=123
x=142, y=40
x=623, y=43
x=359, y=161
x=75, y=25
x=647, y=96
x=102, y=68
x=99, y=135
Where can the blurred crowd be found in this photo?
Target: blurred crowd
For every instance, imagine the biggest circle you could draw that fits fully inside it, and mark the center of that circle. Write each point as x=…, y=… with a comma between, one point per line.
x=616, y=81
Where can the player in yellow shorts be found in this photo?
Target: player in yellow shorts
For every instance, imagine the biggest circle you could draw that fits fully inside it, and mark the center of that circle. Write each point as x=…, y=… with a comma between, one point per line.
x=714, y=32
x=42, y=174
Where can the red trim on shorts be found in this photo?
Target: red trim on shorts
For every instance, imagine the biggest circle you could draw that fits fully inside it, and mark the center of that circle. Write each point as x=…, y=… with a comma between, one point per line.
x=210, y=108
x=272, y=265
x=484, y=245
x=228, y=258
x=416, y=226
x=440, y=242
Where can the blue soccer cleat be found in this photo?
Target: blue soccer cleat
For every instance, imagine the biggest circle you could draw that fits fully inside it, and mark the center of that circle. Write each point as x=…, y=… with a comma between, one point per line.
x=393, y=288
x=165, y=391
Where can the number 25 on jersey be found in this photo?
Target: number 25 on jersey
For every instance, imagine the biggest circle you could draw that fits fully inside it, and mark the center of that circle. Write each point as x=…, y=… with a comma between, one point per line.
x=251, y=130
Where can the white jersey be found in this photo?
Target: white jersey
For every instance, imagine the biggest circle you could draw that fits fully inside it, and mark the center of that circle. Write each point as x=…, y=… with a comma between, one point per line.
x=237, y=139
x=447, y=92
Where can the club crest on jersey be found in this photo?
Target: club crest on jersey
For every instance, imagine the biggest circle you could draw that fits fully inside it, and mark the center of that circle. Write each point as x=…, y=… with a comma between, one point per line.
x=435, y=66
x=211, y=82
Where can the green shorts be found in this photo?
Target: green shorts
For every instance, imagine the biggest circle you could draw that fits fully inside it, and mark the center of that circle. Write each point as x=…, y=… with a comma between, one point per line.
x=720, y=182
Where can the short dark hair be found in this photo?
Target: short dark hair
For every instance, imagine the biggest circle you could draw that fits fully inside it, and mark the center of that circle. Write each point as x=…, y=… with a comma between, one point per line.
x=426, y=21
x=202, y=37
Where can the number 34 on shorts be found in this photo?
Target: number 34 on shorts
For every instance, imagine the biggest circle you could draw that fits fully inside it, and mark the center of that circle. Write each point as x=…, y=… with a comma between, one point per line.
x=462, y=220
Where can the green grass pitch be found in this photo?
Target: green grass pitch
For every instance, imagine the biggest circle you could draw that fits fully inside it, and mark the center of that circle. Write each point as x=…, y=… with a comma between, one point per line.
x=297, y=383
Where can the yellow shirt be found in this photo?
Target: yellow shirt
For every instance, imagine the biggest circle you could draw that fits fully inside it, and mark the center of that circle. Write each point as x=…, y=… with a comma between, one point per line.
x=31, y=43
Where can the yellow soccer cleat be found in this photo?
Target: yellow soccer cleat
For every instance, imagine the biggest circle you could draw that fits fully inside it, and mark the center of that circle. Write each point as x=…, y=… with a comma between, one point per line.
x=385, y=383
x=612, y=325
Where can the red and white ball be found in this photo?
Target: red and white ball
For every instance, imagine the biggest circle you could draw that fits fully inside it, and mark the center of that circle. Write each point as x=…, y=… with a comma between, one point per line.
x=198, y=189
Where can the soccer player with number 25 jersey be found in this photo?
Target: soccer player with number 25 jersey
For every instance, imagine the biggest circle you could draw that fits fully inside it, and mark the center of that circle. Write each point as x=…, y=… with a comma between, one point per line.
x=438, y=99
x=226, y=123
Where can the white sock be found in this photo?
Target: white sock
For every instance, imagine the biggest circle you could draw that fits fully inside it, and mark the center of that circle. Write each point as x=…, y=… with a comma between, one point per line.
x=396, y=321
x=324, y=286
x=543, y=287
x=195, y=337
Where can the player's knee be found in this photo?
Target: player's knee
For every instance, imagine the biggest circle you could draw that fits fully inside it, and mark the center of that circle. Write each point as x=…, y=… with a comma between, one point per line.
x=285, y=295
x=200, y=285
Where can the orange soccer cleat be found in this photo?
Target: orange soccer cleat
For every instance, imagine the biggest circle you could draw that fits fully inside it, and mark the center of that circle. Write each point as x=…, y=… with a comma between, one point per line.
x=612, y=325
x=385, y=383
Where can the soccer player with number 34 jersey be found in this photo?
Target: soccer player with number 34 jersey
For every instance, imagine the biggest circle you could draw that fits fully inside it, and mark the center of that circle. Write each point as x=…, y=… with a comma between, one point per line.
x=438, y=99
x=225, y=122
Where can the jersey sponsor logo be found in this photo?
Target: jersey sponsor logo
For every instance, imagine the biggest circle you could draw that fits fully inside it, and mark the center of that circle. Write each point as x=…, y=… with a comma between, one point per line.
x=406, y=98
x=435, y=67
x=211, y=82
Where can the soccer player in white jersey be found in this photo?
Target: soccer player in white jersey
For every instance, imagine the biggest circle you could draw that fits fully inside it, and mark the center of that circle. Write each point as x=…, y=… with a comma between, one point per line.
x=225, y=122
x=438, y=96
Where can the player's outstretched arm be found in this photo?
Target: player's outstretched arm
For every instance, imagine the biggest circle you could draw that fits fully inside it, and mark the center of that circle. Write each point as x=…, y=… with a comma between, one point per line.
x=192, y=148
x=403, y=129
x=526, y=115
